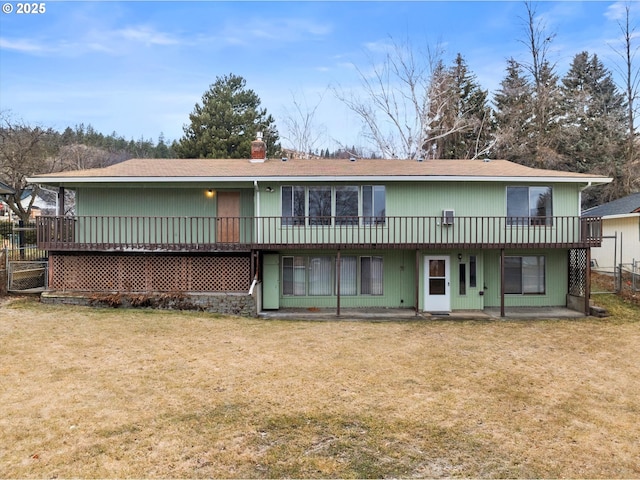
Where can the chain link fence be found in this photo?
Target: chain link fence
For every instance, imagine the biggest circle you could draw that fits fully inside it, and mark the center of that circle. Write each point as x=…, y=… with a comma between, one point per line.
x=23, y=266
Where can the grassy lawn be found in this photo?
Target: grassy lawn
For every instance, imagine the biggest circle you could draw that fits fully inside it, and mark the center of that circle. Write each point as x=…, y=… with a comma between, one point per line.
x=138, y=393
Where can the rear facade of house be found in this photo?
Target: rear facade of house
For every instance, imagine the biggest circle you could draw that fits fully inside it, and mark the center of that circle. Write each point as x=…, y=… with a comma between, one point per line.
x=432, y=236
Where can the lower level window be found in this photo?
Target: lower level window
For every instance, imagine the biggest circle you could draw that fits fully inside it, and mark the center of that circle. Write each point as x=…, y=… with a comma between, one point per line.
x=524, y=275
x=320, y=278
x=371, y=275
x=294, y=273
x=318, y=275
x=348, y=275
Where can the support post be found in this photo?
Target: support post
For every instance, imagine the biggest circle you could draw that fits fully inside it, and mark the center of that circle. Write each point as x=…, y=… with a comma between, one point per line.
x=60, y=202
x=417, y=282
x=338, y=284
x=502, y=282
x=587, y=283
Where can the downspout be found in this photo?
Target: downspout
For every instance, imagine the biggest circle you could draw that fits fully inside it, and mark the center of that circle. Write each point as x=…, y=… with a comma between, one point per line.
x=257, y=215
x=253, y=284
x=580, y=197
x=257, y=211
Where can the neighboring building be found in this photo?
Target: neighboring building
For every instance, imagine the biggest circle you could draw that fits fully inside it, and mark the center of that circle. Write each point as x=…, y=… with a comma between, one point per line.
x=44, y=203
x=621, y=232
x=434, y=236
x=6, y=189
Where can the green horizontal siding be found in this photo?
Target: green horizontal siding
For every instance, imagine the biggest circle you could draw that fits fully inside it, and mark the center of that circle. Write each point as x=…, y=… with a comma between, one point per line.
x=556, y=277
x=398, y=288
x=429, y=199
x=193, y=215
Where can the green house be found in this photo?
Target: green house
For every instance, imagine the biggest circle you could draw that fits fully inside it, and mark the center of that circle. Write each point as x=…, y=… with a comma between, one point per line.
x=431, y=236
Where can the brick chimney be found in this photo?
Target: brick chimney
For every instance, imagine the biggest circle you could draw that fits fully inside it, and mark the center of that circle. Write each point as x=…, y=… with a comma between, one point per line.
x=258, y=149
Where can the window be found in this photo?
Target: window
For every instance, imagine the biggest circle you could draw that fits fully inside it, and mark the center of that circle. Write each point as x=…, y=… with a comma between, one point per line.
x=473, y=276
x=348, y=275
x=462, y=278
x=347, y=205
x=373, y=204
x=524, y=275
x=319, y=205
x=293, y=276
x=320, y=276
x=529, y=205
x=371, y=275
x=315, y=275
x=292, y=205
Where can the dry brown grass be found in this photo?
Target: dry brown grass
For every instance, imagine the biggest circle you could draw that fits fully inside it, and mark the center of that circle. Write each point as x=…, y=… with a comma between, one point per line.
x=123, y=393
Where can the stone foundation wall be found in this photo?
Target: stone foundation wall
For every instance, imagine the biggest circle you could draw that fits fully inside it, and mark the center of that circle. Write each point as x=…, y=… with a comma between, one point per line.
x=223, y=303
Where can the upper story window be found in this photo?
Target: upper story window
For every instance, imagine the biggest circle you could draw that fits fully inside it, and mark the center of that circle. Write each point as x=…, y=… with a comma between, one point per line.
x=529, y=205
x=319, y=205
x=347, y=205
x=341, y=204
x=293, y=204
x=374, y=204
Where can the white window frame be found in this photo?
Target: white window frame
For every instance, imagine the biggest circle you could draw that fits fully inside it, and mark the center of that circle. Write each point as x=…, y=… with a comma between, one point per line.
x=540, y=274
x=519, y=220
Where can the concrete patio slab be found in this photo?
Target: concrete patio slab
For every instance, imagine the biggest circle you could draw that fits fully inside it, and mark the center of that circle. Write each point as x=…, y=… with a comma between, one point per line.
x=404, y=314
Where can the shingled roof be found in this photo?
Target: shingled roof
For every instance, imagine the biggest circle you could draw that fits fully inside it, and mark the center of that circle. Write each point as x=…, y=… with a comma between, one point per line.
x=234, y=170
x=621, y=206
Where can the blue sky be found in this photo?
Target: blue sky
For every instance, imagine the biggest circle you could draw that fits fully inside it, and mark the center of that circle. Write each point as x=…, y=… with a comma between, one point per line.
x=138, y=68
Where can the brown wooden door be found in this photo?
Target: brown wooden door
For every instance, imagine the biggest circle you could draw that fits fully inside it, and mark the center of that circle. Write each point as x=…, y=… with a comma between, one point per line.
x=228, y=221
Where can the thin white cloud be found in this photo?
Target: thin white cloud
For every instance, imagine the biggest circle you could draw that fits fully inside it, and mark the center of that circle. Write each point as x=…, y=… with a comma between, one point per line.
x=147, y=35
x=24, y=46
x=113, y=42
x=618, y=10
x=281, y=30
x=379, y=46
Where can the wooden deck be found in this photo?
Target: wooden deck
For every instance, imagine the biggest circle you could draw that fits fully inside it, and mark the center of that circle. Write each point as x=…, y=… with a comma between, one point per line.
x=238, y=234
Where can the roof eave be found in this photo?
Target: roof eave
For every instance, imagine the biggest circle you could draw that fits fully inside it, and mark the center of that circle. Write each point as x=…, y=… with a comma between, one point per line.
x=620, y=215
x=60, y=181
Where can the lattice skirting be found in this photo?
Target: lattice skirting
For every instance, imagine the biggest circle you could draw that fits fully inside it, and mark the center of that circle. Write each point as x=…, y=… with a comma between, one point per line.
x=578, y=272
x=142, y=273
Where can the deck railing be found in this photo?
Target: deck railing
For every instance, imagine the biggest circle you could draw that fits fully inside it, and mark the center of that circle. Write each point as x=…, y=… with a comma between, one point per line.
x=136, y=233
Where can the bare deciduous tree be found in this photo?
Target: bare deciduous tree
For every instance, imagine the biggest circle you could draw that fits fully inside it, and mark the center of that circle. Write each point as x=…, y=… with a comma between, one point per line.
x=24, y=151
x=630, y=73
x=302, y=132
x=79, y=157
x=400, y=101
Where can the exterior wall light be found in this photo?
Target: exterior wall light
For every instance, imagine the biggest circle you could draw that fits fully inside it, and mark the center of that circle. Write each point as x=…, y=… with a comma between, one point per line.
x=210, y=193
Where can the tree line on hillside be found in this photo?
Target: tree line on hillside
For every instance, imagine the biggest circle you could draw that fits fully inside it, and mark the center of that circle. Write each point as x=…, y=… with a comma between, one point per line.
x=27, y=150
x=412, y=106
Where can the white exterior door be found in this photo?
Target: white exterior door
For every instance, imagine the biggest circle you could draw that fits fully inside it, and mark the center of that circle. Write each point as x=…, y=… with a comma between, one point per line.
x=437, y=284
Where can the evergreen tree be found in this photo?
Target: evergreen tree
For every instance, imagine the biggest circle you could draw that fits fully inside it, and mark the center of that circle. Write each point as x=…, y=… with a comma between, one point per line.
x=595, y=120
x=226, y=122
x=528, y=117
x=162, y=150
x=547, y=119
x=460, y=127
x=513, y=116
